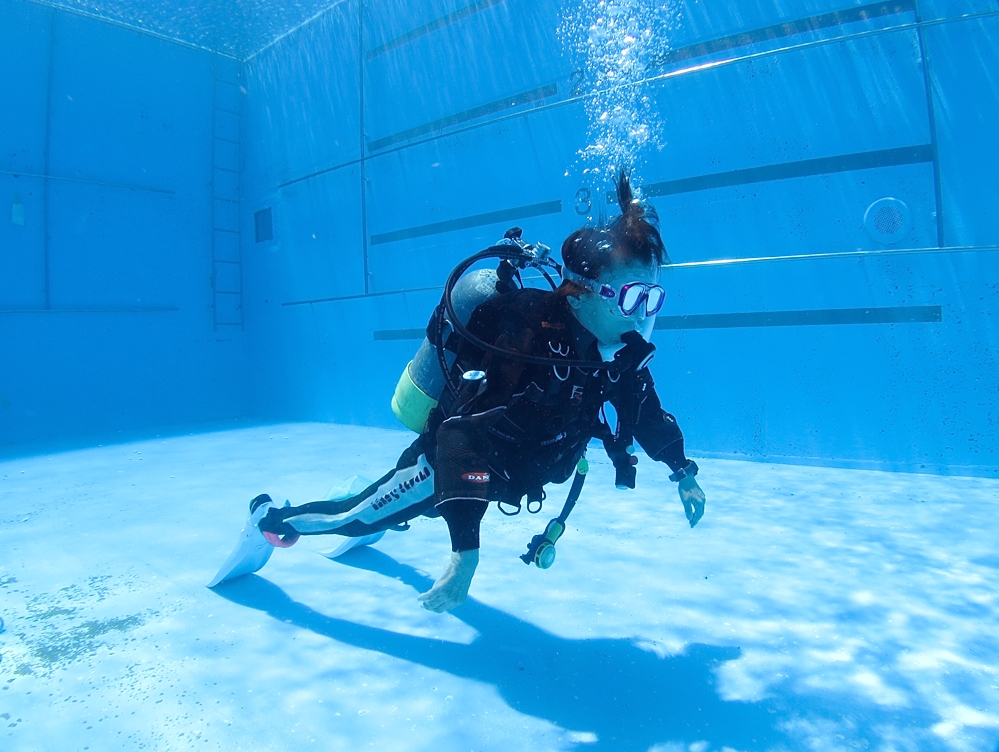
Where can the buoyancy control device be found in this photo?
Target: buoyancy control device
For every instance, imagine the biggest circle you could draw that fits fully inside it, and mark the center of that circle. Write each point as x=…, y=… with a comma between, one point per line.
x=428, y=374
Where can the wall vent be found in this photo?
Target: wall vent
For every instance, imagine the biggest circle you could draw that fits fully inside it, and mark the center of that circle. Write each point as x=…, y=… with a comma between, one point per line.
x=263, y=227
x=888, y=220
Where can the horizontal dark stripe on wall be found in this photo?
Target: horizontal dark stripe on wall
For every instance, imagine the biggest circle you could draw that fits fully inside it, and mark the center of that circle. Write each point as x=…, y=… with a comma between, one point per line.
x=387, y=335
x=779, y=31
x=89, y=310
x=500, y=105
x=756, y=319
x=317, y=173
x=87, y=181
x=464, y=223
x=819, y=317
x=697, y=264
x=865, y=160
x=437, y=23
x=361, y=296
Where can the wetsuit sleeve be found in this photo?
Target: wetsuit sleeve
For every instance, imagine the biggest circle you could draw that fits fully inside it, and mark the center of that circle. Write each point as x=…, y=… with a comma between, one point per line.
x=461, y=477
x=463, y=521
x=656, y=430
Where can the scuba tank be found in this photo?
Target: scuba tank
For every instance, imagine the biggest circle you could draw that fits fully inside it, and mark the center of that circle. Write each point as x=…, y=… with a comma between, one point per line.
x=422, y=381
x=425, y=377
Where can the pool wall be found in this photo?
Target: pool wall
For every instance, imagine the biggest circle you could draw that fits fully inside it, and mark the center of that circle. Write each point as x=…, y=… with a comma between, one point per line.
x=378, y=148
x=106, y=298
x=834, y=346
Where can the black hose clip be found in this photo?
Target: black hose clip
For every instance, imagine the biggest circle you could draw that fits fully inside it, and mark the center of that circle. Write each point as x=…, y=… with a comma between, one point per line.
x=625, y=472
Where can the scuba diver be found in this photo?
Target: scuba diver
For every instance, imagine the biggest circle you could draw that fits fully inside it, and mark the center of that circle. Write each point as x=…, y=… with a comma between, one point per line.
x=506, y=392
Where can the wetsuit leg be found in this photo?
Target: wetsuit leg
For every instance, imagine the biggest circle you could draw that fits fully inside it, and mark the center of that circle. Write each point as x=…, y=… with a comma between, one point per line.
x=401, y=494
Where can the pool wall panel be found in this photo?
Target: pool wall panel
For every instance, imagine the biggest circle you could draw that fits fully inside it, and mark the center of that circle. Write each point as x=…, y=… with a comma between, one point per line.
x=965, y=81
x=106, y=321
x=768, y=152
x=302, y=128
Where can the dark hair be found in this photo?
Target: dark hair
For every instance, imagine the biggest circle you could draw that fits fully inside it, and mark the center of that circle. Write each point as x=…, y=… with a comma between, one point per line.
x=632, y=237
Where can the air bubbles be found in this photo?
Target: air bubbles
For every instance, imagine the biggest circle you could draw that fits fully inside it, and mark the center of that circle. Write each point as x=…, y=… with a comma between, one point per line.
x=615, y=43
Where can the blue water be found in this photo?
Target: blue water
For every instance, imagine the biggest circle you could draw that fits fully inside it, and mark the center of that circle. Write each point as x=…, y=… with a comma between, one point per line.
x=227, y=224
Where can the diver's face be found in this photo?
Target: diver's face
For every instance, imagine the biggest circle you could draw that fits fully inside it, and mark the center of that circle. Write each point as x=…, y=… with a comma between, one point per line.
x=602, y=316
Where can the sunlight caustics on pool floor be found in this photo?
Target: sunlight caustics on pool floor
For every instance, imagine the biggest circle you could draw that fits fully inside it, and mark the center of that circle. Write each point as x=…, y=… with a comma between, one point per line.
x=813, y=608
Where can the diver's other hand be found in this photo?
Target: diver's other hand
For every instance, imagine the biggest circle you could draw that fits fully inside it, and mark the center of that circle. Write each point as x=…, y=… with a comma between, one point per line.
x=693, y=499
x=451, y=589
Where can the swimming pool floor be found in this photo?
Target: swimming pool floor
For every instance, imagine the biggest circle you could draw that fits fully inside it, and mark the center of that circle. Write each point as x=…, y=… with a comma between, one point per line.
x=812, y=609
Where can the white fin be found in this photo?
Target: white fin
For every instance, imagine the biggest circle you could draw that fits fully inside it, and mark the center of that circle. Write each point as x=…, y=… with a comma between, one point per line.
x=349, y=543
x=252, y=550
x=346, y=488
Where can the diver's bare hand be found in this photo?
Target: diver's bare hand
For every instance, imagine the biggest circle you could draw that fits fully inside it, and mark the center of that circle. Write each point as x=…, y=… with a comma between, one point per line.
x=451, y=589
x=693, y=499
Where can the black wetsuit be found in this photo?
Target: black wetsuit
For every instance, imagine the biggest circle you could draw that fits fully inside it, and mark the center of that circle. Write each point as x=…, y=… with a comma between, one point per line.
x=528, y=426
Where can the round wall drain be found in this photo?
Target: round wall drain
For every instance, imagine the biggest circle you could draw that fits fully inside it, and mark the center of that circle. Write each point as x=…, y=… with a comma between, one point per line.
x=888, y=220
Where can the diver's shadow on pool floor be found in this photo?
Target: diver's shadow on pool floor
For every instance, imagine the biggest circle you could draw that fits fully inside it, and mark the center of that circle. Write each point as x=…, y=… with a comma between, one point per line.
x=628, y=697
